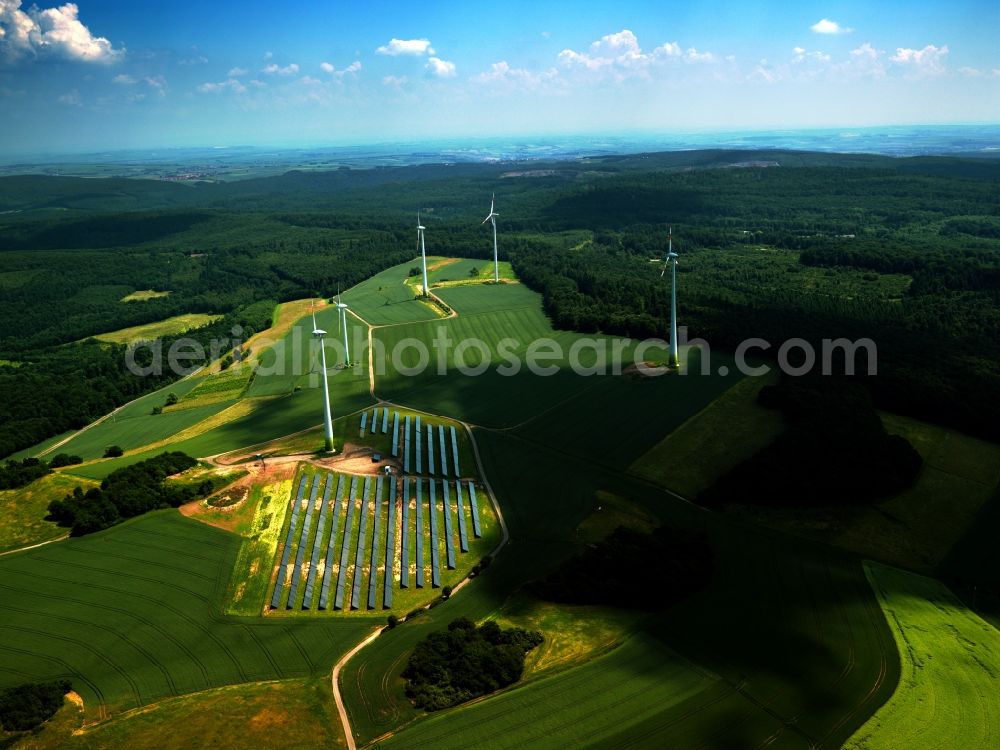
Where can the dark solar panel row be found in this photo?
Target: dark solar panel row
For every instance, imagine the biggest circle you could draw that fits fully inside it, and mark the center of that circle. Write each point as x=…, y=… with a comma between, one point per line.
x=442, y=453
x=419, y=454
x=474, y=504
x=385, y=419
x=420, y=537
x=324, y=592
x=362, y=536
x=300, y=553
x=395, y=433
x=338, y=599
x=456, y=471
x=364, y=422
x=307, y=597
x=289, y=536
x=430, y=450
x=376, y=535
x=390, y=546
x=373, y=422
x=406, y=445
x=463, y=536
x=435, y=565
x=449, y=535
x=404, y=549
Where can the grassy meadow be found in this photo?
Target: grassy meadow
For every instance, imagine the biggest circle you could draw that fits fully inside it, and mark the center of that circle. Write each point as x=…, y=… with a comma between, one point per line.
x=152, y=331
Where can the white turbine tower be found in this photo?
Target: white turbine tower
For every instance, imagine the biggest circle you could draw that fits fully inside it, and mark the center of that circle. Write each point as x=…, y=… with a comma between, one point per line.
x=319, y=333
x=492, y=218
x=423, y=251
x=342, y=311
x=671, y=260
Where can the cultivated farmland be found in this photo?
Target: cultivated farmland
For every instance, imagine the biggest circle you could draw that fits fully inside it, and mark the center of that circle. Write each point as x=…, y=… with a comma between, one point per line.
x=130, y=615
x=949, y=690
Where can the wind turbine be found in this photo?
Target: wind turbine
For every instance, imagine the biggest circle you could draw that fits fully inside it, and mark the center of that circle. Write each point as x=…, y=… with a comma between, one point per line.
x=342, y=311
x=492, y=218
x=319, y=333
x=671, y=260
x=423, y=250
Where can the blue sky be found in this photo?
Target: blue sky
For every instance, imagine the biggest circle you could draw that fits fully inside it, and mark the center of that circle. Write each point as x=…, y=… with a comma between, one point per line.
x=101, y=74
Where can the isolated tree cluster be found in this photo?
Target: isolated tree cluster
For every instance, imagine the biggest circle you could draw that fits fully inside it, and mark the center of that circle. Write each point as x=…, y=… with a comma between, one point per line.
x=128, y=492
x=464, y=662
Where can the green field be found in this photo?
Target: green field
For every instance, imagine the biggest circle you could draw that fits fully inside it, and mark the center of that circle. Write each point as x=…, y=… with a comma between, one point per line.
x=227, y=385
x=948, y=695
x=386, y=298
x=130, y=615
x=25, y=508
x=797, y=662
x=465, y=270
x=729, y=430
x=152, y=331
x=640, y=679
x=479, y=298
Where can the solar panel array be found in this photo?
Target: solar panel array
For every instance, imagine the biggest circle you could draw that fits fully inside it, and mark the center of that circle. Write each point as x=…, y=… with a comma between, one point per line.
x=364, y=422
x=442, y=452
x=325, y=536
x=390, y=548
x=406, y=445
x=360, y=551
x=455, y=470
x=376, y=533
x=435, y=563
x=395, y=433
x=420, y=454
x=463, y=536
x=404, y=549
x=430, y=450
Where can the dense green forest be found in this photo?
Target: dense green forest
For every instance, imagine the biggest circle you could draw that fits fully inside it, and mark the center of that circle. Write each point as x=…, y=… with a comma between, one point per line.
x=904, y=251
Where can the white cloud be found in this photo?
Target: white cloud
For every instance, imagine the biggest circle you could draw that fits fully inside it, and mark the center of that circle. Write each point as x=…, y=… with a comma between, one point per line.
x=71, y=98
x=288, y=70
x=214, y=88
x=53, y=31
x=928, y=61
x=441, y=68
x=397, y=47
x=351, y=69
x=618, y=56
x=193, y=60
x=502, y=75
x=826, y=26
x=970, y=72
x=237, y=72
x=123, y=80
x=693, y=55
x=396, y=81
x=799, y=51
